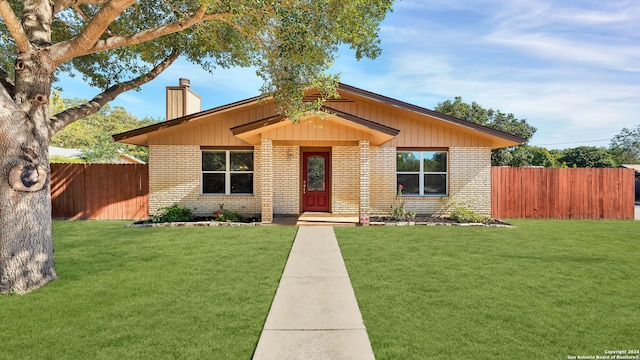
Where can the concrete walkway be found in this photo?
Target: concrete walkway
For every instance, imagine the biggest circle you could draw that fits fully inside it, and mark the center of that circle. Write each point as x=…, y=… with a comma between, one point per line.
x=314, y=314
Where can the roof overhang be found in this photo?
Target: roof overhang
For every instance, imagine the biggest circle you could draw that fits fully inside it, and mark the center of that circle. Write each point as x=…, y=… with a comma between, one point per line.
x=140, y=136
x=328, y=125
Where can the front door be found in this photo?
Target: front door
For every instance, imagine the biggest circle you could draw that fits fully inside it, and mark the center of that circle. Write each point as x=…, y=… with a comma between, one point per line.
x=315, y=181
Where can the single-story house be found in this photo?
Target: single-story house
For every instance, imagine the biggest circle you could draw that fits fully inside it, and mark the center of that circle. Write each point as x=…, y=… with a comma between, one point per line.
x=350, y=161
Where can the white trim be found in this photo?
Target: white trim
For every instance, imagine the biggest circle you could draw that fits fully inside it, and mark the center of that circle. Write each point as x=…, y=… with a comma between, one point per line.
x=421, y=173
x=227, y=173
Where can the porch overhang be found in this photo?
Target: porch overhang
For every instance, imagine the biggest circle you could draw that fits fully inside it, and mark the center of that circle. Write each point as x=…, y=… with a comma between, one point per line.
x=330, y=126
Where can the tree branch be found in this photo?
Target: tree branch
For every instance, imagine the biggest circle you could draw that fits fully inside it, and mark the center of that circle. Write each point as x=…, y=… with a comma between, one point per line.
x=14, y=26
x=86, y=40
x=6, y=82
x=66, y=117
x=61, y=5
x=81, y=13
x=68, y=50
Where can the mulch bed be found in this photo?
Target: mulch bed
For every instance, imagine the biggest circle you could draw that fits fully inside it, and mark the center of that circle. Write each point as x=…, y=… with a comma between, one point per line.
x=432, y=221
x=374, y=221
x=196, y=221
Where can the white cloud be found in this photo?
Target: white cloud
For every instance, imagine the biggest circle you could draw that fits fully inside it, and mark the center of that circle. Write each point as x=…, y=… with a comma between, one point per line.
x=549, y=46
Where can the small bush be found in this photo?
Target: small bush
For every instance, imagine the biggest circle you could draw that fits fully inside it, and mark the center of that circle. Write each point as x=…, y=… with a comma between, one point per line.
x=172, y=213
x=224, y=215
x=399, y=212
x=402, y=214
x=464, y=214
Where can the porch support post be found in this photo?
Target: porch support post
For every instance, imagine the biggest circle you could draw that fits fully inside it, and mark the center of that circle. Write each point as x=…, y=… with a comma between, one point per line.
x=365, y=156
x=266, y=153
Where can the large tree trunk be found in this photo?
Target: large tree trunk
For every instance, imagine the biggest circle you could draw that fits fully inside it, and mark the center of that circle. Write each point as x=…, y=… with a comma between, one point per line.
x=26, y=242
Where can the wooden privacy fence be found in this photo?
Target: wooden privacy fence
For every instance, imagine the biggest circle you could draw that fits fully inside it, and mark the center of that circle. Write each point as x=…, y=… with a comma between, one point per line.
x=99, y=191
x=541, y=193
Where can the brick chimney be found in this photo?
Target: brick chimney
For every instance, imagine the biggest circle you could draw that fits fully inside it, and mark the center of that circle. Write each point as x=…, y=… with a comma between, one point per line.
x=182, y=101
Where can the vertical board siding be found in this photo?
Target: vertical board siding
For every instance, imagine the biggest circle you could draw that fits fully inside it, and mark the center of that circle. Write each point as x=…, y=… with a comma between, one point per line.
x=542, y=193
x=99, y=191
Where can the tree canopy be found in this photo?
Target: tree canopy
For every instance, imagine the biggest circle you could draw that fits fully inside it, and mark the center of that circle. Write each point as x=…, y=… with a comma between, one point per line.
x=118, y=45
x=625, y=147
x=587, y=157
x=92, y=134
x=495, y=119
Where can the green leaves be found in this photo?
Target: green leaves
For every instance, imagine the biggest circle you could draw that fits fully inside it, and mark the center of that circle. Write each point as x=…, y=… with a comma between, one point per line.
x=93, y=134
x=625, y=146
x=495, y=119
x=291, y=43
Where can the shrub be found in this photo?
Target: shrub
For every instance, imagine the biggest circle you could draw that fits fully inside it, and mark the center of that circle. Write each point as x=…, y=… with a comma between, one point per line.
x=172, y=213
x=400, y=213
x=464, y=214
x=224, y=215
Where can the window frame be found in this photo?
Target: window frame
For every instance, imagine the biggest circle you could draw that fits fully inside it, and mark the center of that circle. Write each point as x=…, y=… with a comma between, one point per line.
x=421, y=173
x=227, y=171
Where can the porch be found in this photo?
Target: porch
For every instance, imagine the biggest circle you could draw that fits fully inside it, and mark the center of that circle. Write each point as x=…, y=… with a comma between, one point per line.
x=310, y=218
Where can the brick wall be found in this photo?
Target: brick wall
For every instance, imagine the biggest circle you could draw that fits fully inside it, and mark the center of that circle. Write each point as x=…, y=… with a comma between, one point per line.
x=365, y=176
x=266, y=172
x=174, y=177
x=470, y=178
x=286, y=177
x=382, y=180
x=175, y=171
x=345, y=192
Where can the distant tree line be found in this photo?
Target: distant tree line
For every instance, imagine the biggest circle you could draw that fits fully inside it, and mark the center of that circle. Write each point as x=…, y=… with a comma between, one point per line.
x=92, y=135
x=623, y=149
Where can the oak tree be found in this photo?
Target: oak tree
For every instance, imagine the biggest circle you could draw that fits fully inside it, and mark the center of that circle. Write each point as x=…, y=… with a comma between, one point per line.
x=118, y=45
x=625, y=147
x=495, y=119
x=587, y=157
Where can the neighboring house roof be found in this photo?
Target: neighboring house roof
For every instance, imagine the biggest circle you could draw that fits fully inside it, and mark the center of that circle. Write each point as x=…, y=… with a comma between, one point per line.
x=635, y=167
x=128, y=159
x=77, y=154
x=380, y=133
x=68, y=153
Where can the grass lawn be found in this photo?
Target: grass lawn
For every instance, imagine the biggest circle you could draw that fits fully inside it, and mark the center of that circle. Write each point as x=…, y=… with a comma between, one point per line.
x=545, y=290
x=149, y=293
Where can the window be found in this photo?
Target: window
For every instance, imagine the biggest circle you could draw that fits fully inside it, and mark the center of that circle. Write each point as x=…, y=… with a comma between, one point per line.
x=422, y=172
x=227, y=172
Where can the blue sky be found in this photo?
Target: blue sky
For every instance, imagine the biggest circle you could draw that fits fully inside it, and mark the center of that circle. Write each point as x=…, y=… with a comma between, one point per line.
x=571, y=68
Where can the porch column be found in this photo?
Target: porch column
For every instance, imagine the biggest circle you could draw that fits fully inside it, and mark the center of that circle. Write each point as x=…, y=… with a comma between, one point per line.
x=365, y=156
x=266, y=153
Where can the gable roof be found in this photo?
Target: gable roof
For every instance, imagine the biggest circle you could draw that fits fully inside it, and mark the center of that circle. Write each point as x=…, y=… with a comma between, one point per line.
x=347, y=92
x=377, y=133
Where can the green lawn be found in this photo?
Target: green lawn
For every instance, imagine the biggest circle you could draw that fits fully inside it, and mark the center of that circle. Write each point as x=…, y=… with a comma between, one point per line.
x=545, y=290
x=150, y=293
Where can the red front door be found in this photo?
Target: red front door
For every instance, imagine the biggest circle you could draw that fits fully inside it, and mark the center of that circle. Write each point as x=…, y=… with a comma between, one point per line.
x=315, y=181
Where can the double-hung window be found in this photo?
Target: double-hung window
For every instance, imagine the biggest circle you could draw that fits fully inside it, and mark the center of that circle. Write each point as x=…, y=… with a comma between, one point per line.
x=422, y=172
x=227, y=172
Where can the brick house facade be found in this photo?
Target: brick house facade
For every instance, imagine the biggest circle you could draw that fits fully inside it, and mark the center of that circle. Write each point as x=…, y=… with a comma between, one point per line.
x=349, y=162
